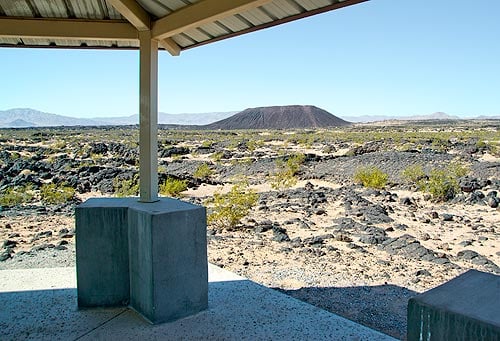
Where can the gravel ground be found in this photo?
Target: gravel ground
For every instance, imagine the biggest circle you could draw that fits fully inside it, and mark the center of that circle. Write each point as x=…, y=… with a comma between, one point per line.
x=48, y=258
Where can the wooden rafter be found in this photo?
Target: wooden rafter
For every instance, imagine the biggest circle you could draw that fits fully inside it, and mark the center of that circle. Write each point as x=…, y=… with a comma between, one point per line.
x=170, y=46
x=133, y=12
x=138, y=19
x=141, y=20
x=200, y=13
x=334, y=6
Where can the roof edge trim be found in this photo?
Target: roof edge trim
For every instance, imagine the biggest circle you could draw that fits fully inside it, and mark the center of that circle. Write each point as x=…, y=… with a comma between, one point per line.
x=67, y=29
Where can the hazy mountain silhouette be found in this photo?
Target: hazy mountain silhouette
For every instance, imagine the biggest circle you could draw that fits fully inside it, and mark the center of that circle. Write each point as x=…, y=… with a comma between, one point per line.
x=276, y=117
x=377, y=118
x=25, y=117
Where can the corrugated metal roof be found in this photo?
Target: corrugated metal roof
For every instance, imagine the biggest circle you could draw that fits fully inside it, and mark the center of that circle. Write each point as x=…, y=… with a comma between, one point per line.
x=249, y=17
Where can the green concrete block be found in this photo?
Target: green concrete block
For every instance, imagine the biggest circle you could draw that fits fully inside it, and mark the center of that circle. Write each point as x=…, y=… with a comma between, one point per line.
x=102, y=261
x=465, y=308
x=168, y=265
x=150, y=256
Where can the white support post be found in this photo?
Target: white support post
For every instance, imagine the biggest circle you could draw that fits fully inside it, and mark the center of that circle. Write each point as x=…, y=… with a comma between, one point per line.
x=148, y=137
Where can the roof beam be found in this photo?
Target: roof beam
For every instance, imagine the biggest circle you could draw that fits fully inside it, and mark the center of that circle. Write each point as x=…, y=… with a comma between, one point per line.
x=141, y=20
x=133, y=12
x=67, y=29
x=334, y=6
x=200, y=13
x=171, y=46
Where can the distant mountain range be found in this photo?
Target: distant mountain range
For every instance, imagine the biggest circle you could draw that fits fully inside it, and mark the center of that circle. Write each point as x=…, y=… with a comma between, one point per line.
x=280, y=117
x=21, y=118
x=434, y=116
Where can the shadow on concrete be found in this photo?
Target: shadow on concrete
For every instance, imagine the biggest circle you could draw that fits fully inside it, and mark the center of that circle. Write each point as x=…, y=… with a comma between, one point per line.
x=238, y=309
x=48, y=315
x=382, y=307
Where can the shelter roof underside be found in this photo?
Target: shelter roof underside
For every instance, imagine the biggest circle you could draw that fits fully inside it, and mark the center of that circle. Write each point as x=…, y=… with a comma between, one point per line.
x=177, y=24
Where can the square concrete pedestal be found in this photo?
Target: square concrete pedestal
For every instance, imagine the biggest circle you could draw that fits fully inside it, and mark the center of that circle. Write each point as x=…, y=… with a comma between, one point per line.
x=465, y=308
x=149, y=256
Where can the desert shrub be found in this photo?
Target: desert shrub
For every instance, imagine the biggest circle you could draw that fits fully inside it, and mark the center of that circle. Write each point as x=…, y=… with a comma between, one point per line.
x=59, y=145
x=96, y=156
x=295, y=161
x=233, y=143
x=207, y=144
x=457, y=169
x=415, y=175
x=282, y=180
x=162, y=169
x=246, y=161
x=228, y=209
x=126, y=187
x=442, y=185
x=494, y=149
x=371, y=176
x=217, y=156
x=203, y=171
x=14, y=155
x=173, y=187
x=285, y=177
x=253, y=144
x=54, y=194
x=481, y=144
x=16, y=196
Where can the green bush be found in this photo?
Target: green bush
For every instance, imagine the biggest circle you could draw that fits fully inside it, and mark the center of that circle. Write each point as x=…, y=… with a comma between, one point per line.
x=228, y=209
x=415, y=175
x=494, y=149
x=173, y=187
x=217, y=156
x=285, y=177
x=371, y=176
x=203, y=171
x=14, y=155
x=457, y=169
x=53, y=194
x=294, y=162
x=126, y=188
x=442, y=185
x=16, y=196
x=207, y=144
x=282, y=180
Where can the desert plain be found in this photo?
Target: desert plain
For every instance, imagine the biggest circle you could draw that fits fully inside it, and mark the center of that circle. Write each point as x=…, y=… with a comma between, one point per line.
x=354, y=220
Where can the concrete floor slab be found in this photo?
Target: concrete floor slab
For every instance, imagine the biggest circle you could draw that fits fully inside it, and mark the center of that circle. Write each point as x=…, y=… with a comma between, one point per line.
x=41, y=304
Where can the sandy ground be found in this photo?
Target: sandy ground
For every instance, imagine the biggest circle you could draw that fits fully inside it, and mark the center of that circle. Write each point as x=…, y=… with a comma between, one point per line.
x=359, y=281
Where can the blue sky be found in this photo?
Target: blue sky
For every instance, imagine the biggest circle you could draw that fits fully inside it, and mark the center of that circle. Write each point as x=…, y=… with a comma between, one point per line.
x=382, y=57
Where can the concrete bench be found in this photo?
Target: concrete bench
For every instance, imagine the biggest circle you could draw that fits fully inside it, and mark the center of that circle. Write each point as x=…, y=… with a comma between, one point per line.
x=149, y=256
x=465, y=308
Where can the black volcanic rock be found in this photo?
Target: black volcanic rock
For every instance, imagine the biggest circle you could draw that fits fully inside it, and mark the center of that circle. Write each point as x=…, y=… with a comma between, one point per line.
x=279, y=117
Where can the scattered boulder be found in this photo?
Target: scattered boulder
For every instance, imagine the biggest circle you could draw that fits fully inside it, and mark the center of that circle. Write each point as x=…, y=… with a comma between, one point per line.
x=343, y=238
x=408, y=246
x=446, y=217
x=169, y=152
x=476, y=258
x=423, y=272
x=6, y=254
x=280, y=235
